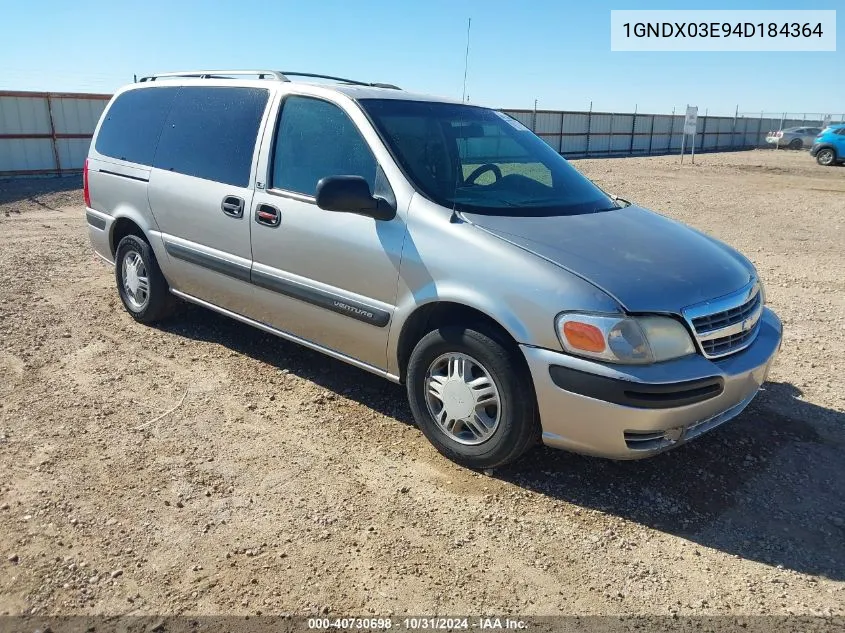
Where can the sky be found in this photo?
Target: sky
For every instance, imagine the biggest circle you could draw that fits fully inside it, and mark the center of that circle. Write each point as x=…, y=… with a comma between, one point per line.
x=554, y=51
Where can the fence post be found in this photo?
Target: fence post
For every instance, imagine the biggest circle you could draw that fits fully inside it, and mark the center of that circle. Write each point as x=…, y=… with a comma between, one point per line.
x=757, y=143
x=53, y=136
x=633, y=127
x=651, y=134
x=589, y=129
x=560, y=140
x=733, y=129
x=703, y=131
x=671, y=131
x=610, y=134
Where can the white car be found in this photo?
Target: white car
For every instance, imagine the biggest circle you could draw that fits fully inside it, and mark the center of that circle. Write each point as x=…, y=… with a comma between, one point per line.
x=794, y=137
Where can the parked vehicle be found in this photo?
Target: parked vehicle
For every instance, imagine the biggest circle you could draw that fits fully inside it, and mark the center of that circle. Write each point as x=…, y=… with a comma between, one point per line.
x=434, y=243
x=829, y=146
x=793, y=137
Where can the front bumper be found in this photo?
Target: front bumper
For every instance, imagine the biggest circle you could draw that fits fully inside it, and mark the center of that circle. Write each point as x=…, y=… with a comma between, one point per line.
x=629, y=412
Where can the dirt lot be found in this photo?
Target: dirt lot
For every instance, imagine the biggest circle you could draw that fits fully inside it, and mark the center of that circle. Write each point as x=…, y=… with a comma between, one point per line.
x=287, y=482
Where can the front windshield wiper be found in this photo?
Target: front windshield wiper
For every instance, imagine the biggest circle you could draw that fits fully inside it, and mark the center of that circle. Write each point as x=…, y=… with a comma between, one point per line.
x=473, y=201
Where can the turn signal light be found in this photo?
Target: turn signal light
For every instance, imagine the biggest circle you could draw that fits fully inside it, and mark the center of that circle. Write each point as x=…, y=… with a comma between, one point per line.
x=584, y=336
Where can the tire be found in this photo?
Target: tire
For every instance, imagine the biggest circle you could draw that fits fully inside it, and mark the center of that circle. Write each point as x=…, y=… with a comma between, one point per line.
x=511, y=426
x=135, y=262
x=826, y=157
x=796, y=143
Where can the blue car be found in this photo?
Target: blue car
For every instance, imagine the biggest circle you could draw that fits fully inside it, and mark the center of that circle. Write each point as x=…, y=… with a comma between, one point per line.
x=829, y=146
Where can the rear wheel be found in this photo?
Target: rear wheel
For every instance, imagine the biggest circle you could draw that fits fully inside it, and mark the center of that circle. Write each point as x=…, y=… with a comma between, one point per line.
x=140, y=283
x=472, y=397
x=826, y=157
x=796, y=143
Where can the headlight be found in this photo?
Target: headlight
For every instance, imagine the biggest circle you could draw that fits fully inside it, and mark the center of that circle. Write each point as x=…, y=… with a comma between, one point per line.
x=620, y=339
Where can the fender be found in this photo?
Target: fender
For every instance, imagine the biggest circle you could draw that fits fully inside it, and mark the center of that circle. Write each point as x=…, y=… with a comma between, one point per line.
x=826, y=145
x=146, y=222
x=450, y=292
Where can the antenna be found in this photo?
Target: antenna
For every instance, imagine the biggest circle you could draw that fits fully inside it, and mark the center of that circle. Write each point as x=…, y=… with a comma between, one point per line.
x=466, y=62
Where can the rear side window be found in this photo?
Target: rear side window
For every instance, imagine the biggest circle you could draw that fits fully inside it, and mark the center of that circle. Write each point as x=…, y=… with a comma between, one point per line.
x=211, y=133
x=133, y=123
x=316, y=139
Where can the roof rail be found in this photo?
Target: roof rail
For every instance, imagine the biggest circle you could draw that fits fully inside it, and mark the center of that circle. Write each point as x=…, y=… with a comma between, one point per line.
x=219, y=74
x=262, y=74
x=291, y=73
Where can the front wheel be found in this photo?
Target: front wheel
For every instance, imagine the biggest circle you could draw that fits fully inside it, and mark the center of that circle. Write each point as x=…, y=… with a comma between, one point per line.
x=825, y=157
x=796, y=143
x=472, y=397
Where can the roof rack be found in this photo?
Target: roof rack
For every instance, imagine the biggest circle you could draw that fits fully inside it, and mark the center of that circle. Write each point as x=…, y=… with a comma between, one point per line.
x=218, y=74
x=262, y=74
x=352, y=82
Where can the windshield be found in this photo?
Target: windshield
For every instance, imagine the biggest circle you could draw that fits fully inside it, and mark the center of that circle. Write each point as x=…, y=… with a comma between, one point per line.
x=481, y=161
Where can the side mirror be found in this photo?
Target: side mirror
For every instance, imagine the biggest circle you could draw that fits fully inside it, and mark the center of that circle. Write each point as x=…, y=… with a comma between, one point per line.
x=351, y=194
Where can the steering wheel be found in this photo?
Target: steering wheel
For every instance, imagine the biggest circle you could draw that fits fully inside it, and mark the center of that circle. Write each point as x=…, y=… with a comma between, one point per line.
x=480, y=170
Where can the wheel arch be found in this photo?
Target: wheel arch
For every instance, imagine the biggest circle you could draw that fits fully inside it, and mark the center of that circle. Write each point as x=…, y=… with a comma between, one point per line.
x=829, y=146
x=441, y=312
x=122, y=227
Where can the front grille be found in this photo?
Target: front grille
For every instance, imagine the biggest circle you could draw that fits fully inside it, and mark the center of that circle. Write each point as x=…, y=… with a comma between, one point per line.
x=727, y=344
x=711, y=322
x=729, y=324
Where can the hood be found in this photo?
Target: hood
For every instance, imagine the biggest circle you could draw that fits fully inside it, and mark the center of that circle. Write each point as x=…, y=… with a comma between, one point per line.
x=644, y=260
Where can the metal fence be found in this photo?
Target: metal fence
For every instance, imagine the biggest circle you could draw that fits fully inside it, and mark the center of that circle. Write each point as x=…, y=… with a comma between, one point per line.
x=49, y=132
x=44, y=133
x=581, y=134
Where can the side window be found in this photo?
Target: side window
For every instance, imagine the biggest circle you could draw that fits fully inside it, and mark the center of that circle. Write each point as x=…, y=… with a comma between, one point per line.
x=211, y=133
x=133, y=123
x=315, y=139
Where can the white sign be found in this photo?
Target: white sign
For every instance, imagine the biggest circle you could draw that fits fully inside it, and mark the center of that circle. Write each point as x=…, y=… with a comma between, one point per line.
x=690, y=119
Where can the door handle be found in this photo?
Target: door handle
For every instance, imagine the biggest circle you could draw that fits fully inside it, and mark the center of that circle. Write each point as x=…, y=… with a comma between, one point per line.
x=233, y=206
x=267, y=215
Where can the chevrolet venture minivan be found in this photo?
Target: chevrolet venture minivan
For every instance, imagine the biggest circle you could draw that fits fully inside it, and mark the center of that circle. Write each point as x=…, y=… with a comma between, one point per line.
x=437, y=244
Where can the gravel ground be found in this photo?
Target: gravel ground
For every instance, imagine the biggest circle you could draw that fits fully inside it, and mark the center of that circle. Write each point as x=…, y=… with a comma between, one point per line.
x=283, y=481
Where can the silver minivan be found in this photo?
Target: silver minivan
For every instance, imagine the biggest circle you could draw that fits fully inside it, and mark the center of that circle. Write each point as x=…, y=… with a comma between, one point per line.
x=437, y=244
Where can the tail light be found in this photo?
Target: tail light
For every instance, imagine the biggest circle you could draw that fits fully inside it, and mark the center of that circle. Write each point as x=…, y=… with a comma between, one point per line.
x=779, y=134
x=86, y=194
